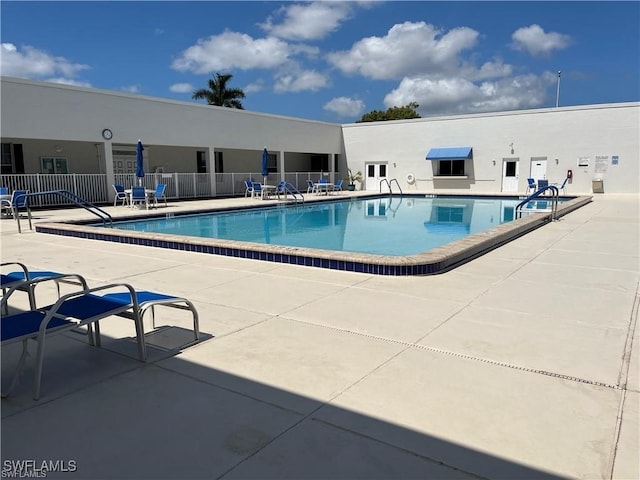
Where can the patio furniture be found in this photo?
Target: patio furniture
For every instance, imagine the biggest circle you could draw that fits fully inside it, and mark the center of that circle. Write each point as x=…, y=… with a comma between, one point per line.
x=159, y=194
x=71, y=311
x=149, y=301
x=311, y=187
x=562, y=187
x=21, y=280
x=18, y=200
x=256, y=189
x=249, y=187
x=120, y=194
x=531, y=185
x=139, y=196
x=338, y=186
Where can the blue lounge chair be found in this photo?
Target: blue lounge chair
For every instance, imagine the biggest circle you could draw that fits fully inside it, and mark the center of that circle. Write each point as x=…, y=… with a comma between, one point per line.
x=257, y=190
x=21, y=279
x=149, y=300
x=281, y=189
x=159, y=194
x=311, y=187
x=249, y=187
x=84, y=307
x=338, y=186
x=531, y=185
x=139, y=196
x=120, y=194
x=18, y=201
x=562, y=187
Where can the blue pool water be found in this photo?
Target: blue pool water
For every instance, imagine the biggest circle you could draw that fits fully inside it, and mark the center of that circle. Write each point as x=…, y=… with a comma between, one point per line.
x=384, y=226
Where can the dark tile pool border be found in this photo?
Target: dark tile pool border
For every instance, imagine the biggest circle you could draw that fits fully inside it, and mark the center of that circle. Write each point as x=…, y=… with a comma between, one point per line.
x=433, y=261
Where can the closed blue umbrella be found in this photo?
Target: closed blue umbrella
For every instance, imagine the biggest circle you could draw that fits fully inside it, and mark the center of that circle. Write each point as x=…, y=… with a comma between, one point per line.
x=265, y=165
x=139, y=164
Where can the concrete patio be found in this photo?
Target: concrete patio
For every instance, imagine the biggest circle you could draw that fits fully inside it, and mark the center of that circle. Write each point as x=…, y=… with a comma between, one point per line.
x=523, y=363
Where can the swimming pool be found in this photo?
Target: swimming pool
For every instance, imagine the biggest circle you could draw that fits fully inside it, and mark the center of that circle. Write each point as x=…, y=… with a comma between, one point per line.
x=382, y=226
x=373, y=211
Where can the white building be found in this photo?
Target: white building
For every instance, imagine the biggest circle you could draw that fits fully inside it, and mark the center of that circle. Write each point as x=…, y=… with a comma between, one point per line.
x=50, y=129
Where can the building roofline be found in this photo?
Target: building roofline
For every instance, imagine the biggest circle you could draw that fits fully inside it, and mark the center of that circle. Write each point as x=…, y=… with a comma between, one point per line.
x=113, y=93
x=536, y=111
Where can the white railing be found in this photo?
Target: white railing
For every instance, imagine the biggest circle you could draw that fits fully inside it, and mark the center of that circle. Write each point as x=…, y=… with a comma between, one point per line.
x=96, y=189
x=91, y=187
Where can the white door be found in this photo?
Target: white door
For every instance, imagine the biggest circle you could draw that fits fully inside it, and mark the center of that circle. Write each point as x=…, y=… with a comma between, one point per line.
x=510, y=175
x=539, y=168
x=375, y=173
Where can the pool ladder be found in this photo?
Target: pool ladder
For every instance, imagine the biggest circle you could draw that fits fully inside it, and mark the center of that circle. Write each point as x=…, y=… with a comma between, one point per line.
x=72, y=197
x=288, y=188
x=554, y=201
x=389, y=182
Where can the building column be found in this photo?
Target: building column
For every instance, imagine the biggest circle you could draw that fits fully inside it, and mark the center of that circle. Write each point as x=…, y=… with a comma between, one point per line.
x=281, y=166
x=108, y=167
x=211, y=168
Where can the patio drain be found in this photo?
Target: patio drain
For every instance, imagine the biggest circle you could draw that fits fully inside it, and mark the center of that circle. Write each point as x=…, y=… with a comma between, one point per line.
x=477, y=359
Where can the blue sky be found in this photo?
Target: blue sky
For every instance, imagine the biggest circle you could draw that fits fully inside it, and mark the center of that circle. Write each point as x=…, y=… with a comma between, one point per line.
x=335, y=60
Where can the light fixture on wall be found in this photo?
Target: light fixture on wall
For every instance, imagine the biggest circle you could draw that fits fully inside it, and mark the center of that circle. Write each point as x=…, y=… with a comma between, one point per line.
x=57, y=148
x=557, y=161
x=512, y=150
x=494, y=163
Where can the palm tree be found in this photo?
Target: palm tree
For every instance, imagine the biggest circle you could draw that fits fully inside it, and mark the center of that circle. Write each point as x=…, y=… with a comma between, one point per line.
x=218, y=93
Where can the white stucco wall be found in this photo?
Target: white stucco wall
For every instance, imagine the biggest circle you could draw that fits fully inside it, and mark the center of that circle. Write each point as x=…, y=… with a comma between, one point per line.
x=50, y=115
x=564, y=133
x=39, y=110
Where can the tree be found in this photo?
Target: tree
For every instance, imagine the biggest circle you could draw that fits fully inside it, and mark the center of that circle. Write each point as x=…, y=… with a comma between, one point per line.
x=218, y=93
x=393, y=113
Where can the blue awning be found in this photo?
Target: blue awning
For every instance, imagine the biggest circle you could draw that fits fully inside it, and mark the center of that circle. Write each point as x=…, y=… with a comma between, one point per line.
x=450, y=153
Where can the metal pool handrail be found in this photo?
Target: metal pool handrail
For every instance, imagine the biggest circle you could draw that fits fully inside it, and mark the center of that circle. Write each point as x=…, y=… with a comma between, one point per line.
x=384, y=180
x=72, y=197
x=554, y=201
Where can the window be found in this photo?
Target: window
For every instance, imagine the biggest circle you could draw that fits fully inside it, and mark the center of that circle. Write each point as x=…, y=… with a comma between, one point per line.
x=201, y=162
x=219, y=163
x=320, y=163
x=7, y=158
x=451, y=168
x=12, y=161
x=272, y=163
x=53, y=165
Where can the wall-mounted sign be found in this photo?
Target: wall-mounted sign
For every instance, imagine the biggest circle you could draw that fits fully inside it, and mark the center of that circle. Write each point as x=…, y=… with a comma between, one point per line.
x=615, y=159
x=583, y=161
x=602, y=162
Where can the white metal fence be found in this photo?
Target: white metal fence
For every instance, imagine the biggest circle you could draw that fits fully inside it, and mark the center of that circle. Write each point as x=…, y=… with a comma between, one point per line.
x=180, y=186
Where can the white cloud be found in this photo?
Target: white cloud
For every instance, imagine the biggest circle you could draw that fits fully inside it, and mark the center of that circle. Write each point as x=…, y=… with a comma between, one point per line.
x=534, y=40
x=256, y=86
x=182, y=88
x=232, y=50
x=298, y=80
x=307, y=21
x=459, y=95
x=130, y=88
x=345, y=106
x=67, y=81
x=29, y=62
x=407, y=49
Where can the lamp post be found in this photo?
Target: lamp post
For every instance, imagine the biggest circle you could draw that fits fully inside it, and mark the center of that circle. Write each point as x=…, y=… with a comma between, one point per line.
x=558, y=90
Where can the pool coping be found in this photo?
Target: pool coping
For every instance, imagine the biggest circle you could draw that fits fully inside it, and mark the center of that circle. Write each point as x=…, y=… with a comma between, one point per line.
x=437, y=260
